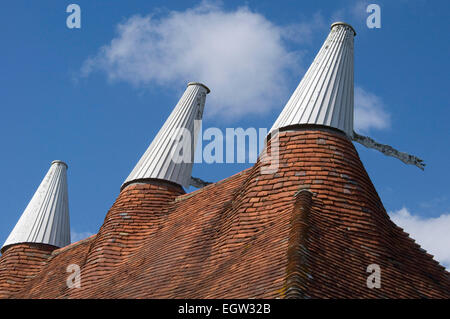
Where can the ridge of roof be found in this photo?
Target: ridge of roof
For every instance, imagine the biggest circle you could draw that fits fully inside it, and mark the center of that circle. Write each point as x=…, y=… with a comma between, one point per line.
x=298, y=269
x=193, y=193
x=61, y=250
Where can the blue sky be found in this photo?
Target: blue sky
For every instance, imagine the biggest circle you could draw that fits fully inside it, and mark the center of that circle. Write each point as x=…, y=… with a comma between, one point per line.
x=96, y=96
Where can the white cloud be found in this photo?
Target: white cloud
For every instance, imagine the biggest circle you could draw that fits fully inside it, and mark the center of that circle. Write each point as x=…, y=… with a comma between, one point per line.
x=369, y=111
x=305, y=31
x=354, y=13
x=432, y=234
x=75, y=236
x=358, y=10
x=243, y=57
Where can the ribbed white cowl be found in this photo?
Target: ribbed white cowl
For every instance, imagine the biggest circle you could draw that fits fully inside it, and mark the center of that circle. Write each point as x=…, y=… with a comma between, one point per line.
x=325, y=94
x=165, y=158
x=46, y=218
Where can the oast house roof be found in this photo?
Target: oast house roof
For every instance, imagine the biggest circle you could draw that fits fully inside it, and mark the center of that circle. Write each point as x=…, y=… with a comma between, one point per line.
x=314, y=227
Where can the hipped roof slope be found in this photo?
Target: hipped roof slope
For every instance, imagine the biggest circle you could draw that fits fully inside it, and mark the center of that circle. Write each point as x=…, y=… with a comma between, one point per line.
x=308, y=231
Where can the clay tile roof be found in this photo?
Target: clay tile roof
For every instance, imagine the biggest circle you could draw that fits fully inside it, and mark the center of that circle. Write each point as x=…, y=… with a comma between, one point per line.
x=309, y=231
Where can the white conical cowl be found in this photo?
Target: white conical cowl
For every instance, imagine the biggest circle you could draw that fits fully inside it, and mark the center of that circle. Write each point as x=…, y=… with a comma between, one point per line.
x=161, y=160
x=325, y=94
x=46, y=218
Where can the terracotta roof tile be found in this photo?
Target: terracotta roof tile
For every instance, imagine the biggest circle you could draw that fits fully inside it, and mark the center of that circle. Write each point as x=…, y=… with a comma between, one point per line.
x=308, y=231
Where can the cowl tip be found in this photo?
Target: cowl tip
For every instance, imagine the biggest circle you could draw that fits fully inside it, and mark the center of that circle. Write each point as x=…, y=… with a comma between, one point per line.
x=343, y=23
x=60, y=162
x=200, y=84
